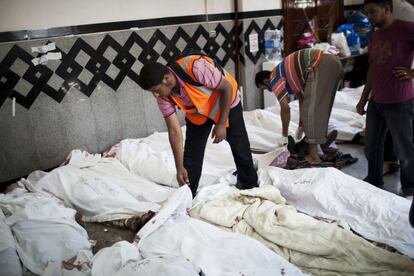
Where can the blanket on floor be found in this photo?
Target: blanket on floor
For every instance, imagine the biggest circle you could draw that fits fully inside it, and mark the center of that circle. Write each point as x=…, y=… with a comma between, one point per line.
x=316, y=246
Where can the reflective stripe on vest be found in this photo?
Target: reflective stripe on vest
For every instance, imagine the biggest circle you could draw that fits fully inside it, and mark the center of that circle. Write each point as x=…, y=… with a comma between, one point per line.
x=205, y=100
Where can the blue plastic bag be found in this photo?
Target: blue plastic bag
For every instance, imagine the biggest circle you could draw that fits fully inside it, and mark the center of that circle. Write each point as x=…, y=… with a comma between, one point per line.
x=362, y=26
x=352, y=37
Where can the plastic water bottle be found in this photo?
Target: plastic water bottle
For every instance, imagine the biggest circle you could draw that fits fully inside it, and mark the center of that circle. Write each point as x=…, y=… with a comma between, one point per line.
x=272, y=45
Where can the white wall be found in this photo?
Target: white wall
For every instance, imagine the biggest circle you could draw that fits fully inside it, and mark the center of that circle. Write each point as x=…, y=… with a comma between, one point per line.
x=259, y=5
x=41, y=14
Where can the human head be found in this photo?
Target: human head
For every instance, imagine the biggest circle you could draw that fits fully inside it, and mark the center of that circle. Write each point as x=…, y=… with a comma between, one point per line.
x=157, y=79
x=379, y=12
x=262, y=79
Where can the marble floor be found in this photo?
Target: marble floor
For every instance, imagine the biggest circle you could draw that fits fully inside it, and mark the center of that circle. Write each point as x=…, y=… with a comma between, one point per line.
x=360, y=168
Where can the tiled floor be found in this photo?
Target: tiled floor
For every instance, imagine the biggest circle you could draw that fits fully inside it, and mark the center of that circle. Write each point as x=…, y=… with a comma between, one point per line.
x=360, y=168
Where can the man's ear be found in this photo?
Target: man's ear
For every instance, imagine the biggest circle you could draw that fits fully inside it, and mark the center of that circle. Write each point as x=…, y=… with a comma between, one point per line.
x=169, y=77
x=166, y=78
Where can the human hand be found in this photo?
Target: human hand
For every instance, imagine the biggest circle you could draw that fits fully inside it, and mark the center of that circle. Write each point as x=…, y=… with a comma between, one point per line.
x=182, y=177
x=282, y=141
x=403, y=73
x=360, y=107
x=219, y=133
x=299, y=132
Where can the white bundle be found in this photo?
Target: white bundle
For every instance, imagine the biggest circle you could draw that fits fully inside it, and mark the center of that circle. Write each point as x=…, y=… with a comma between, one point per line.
x=339, y=41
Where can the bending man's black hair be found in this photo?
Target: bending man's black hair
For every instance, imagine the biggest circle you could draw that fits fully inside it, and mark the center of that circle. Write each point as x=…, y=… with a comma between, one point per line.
x=152, y=74
x=261, y=76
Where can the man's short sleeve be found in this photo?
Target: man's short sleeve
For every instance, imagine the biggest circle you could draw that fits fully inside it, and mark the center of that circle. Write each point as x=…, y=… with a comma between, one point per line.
x=206, y=73
x=279, y=88
x=166, y=107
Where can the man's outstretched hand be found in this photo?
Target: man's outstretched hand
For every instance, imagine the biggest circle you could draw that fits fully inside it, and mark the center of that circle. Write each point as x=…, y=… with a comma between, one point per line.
x=219, y=133
x=182, y=177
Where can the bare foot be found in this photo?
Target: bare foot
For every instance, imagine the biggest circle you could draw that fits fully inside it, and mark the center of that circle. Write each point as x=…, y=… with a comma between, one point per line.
x=313, y=159
x=390, y=167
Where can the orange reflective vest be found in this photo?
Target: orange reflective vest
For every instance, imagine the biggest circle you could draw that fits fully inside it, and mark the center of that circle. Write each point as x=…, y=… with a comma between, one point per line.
x=205, y=100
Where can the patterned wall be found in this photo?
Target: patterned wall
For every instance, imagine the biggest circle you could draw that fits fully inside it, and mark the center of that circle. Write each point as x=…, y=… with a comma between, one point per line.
x=83, y=66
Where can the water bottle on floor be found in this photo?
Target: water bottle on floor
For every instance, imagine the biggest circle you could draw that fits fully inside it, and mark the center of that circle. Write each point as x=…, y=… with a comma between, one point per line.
x=272, y=45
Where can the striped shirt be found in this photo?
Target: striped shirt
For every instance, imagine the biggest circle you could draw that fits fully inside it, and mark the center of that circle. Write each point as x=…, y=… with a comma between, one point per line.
x=207, y=75
x=289, y=76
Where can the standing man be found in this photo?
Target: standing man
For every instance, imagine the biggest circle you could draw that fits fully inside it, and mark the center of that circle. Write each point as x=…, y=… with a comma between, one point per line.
x=208, y=96
x=313, y=77
x=391, y=106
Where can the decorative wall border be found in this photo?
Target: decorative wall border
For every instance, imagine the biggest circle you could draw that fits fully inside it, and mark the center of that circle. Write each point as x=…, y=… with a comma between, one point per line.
x=97, y=66
x=125, y=25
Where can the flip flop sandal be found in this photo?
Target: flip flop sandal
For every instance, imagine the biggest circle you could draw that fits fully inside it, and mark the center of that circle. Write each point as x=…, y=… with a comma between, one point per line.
x=347, y=158
x=329, y=150
x=323, y=164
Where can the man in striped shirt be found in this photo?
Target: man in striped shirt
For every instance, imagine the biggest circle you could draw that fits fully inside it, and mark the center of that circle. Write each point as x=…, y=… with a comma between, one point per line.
x=313, y=77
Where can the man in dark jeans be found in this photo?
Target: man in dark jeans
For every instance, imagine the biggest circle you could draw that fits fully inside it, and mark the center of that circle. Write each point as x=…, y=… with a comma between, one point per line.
x=391, y=107
x=208, y=96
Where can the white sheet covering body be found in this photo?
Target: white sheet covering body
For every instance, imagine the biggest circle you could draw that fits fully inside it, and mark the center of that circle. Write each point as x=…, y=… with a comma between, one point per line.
x=123, y=259
x=152, y=158
x=375, y=214
x=9, y=261
x=45, y=232
x=101, y=189
x=316, y=246
x=265, y=126
x=215, y=251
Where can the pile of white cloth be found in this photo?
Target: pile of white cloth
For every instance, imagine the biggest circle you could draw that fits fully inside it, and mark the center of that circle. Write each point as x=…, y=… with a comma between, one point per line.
x=214, y=251
x=100, y=189
x=152, y=158
x=48, y=239
x=318, y=247
x=328, y=193
x=124, y=259
x=9, y=261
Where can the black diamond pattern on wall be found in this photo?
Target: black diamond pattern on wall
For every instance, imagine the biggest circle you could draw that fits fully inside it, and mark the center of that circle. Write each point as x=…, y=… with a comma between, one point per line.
x=175, y=52
x=84, y=68
x=69, y=69
x=36, y=76
x=200, y=35
x=8, y=81
x=135, y=39
x=171, y=52
x=123, y=61
x=227, y=45
x=148, y=52
x=211, y=47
